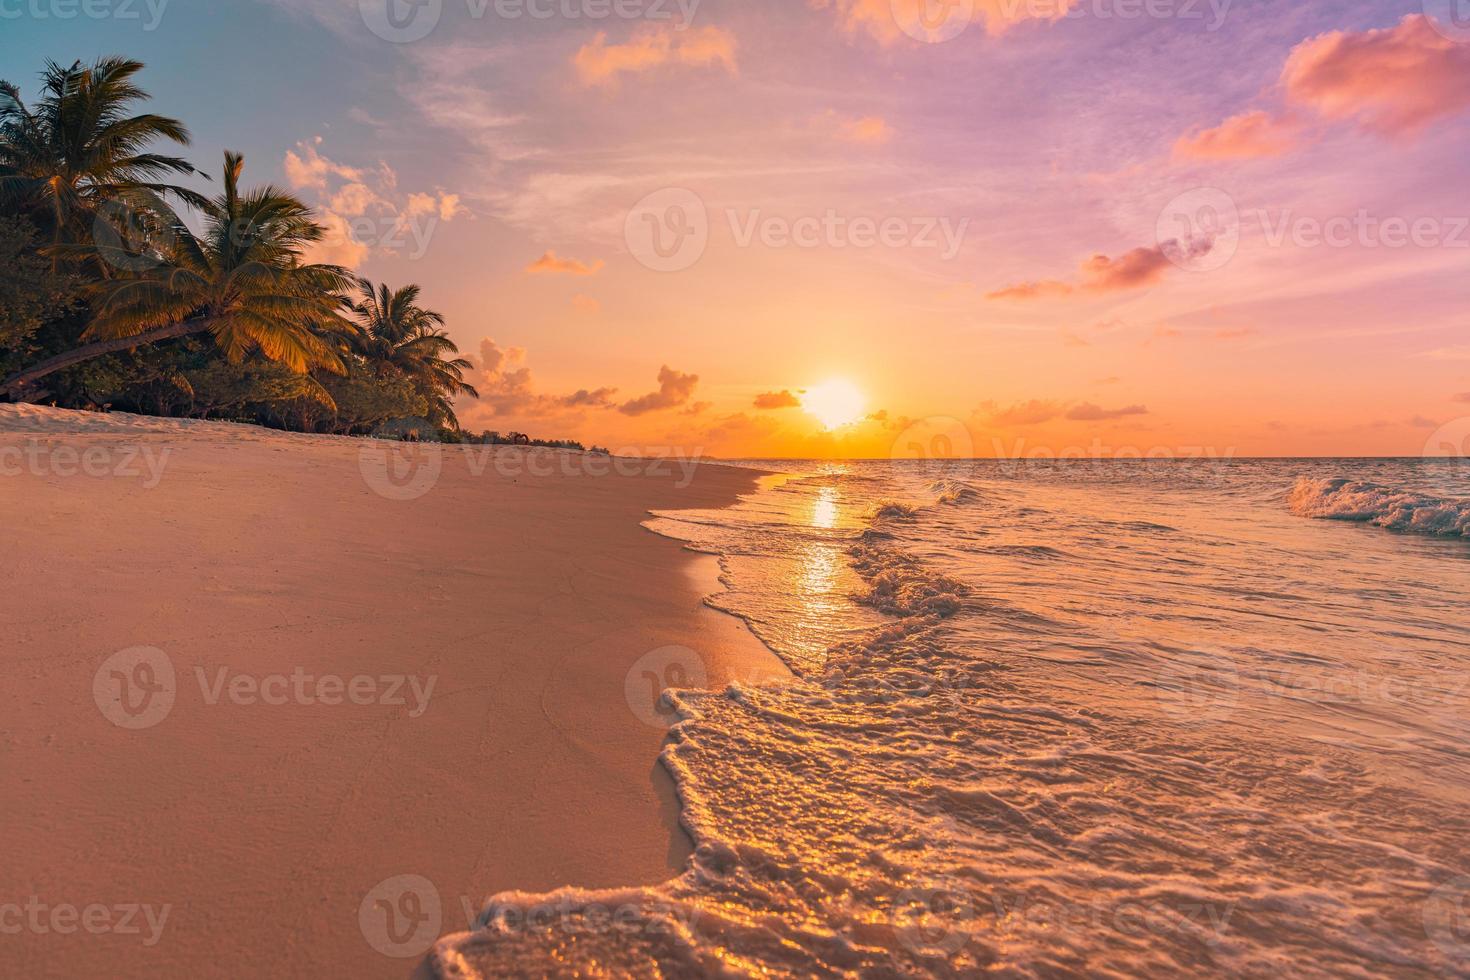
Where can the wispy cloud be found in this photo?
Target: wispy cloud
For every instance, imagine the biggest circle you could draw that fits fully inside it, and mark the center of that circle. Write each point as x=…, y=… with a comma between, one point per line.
x=1088, y=412
x=777, y=399
x=1135, y=269
x=674, y=389
x=652, y=47
x=553, y=264
x=857, y=129
x=896, y=21
x=1393, y=81
x=1033, y=412
x=362, y=209
x=1248, y=136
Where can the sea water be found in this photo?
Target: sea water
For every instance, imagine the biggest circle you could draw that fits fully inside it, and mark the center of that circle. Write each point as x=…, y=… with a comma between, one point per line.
x=1066, y=718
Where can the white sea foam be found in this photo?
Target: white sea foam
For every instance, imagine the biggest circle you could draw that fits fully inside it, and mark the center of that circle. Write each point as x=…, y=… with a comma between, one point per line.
x=1095, y=722
x=1342, y=499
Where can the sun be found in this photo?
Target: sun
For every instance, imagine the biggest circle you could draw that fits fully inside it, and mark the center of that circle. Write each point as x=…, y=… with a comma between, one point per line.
x=834, y=403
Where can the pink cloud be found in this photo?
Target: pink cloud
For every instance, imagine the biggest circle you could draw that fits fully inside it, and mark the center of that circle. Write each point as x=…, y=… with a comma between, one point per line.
x=600, y=63
x=1134, y=269
x=777, y=399
x=1088, y=412
x=1032, y=290
x=507, y=389
x=1394, y=81
x=504, y=380
x=310, y=169
x=896, y=21
x=601, y=398
x=865, y=129
x=1250, y=135
x=552, y=264
x=337, y=246
x=1033, y=412
x=674, y=389
x=446, y=206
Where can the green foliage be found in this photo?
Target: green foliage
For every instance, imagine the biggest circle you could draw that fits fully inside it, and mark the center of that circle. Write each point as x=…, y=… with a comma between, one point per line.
x=400, y=339
x=30, y=293
x=365, y=402
x=222, y=389
x=81, y=149
x=230, y=322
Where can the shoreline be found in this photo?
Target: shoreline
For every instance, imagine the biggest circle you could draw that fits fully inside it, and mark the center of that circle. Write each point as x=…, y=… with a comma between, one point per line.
x=522, y=606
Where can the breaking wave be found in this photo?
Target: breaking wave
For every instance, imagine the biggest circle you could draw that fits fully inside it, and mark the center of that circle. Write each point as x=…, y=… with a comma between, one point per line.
x=994, y=764
x=1342, y=499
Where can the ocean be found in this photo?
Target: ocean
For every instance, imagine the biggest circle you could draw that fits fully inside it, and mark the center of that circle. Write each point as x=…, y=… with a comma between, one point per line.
x=1063, y=718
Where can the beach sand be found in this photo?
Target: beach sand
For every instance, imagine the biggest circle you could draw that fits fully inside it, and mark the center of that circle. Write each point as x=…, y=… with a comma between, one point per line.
x=249, y=557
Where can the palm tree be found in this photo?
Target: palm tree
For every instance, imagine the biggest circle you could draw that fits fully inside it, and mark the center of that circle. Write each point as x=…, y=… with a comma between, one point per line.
x=243, y=282
x=80, y=149
x=399, y=337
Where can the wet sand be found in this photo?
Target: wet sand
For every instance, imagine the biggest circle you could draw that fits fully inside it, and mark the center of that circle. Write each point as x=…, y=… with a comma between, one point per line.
x=364, y=687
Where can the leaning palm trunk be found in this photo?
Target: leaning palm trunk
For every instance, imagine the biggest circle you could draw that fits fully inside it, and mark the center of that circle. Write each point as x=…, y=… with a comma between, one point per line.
x=21, y=385
x=242, y=281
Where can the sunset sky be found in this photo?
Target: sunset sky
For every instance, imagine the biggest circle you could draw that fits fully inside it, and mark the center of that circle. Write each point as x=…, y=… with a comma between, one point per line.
x=1008, y=223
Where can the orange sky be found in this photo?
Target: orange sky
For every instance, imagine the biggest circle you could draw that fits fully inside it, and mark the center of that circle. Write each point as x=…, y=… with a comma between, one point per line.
x=1225, y=228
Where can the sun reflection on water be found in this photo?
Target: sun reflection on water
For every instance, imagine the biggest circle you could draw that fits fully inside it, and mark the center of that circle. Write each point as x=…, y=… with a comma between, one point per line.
x=824, y=508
